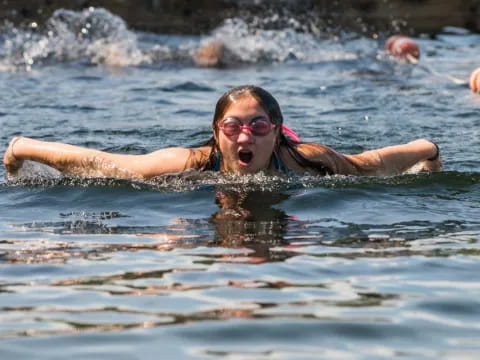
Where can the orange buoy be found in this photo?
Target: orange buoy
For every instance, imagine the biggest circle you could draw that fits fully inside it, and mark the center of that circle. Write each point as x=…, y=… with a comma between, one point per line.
x=475, y=80
x=403, y=48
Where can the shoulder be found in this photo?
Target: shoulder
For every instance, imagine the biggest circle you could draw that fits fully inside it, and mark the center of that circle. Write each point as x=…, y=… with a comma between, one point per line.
x=318, y=153
x=200, y=152
x=199, y=158
x=319, y=158
x=314, y=151
x=310, y=157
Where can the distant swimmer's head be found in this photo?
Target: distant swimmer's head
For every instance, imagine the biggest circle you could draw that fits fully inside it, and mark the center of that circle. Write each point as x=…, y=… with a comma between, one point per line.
x=246, y=125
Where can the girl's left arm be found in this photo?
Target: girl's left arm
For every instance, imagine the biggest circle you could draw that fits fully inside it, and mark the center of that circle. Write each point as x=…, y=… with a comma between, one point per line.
x=416, y=156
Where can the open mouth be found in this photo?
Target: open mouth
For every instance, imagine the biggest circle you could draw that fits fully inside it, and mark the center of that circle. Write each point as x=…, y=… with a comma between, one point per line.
x=245, y=156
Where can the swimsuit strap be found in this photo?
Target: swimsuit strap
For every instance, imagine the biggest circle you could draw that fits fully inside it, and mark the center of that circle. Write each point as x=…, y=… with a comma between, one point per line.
x=278, y=164
x=216, y=161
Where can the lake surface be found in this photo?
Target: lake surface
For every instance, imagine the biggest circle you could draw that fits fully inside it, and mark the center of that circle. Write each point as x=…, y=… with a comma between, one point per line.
x=203, y=266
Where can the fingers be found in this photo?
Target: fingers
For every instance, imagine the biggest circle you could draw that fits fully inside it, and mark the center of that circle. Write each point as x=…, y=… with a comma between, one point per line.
x=432, y=165
x=10, y=161
x=435, y=165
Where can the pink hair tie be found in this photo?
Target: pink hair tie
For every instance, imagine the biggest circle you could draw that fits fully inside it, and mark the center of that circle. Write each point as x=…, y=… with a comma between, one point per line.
x=291, y=134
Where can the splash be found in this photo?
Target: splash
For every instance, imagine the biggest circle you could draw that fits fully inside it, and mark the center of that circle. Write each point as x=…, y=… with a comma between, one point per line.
x=33, y=174
x=32, y=171
x=239, y=42
x=93, y=35
x=96, y=36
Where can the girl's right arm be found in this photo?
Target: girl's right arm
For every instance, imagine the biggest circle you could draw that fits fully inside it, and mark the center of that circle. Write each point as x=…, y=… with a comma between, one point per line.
x=78, y=161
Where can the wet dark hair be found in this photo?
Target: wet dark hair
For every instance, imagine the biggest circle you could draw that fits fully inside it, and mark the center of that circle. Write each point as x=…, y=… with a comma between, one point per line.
x=268, y=103
x=272, y=108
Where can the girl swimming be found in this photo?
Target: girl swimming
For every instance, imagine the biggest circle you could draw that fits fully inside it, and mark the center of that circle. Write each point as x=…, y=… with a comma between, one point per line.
x=248, y=137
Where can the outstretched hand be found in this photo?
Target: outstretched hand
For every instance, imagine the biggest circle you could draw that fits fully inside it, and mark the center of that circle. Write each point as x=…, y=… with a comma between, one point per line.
x=434, y=165
x=426, y=166
x=10, y=161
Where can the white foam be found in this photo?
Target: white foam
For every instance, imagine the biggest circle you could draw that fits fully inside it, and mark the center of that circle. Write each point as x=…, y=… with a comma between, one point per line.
x=32, y=170
x=248, y=44
x=94, y=35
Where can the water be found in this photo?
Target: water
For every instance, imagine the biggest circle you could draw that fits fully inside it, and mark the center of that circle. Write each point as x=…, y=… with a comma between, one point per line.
x=204, y=266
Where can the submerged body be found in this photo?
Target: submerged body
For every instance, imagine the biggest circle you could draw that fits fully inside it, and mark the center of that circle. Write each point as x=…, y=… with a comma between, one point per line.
x=248, y=137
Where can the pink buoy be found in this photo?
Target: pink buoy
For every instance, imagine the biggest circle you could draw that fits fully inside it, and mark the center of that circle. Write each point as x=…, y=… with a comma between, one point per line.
x=403, y=48
x=475, y=80
x=390, y=41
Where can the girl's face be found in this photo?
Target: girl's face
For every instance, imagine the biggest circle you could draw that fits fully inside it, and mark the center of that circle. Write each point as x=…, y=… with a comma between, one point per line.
x=244, y=152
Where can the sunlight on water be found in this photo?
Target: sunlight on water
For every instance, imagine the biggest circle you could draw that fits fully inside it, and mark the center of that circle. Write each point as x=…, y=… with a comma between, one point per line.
x=203, y=265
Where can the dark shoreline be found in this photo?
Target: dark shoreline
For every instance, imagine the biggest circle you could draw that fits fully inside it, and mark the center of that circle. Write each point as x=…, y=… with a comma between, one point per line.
x=201, y=16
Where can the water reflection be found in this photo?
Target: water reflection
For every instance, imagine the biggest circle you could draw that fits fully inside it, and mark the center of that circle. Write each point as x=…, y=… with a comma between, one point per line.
x=194, y=275
x=248, y=226
x=247, y=223
x=249, y=219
